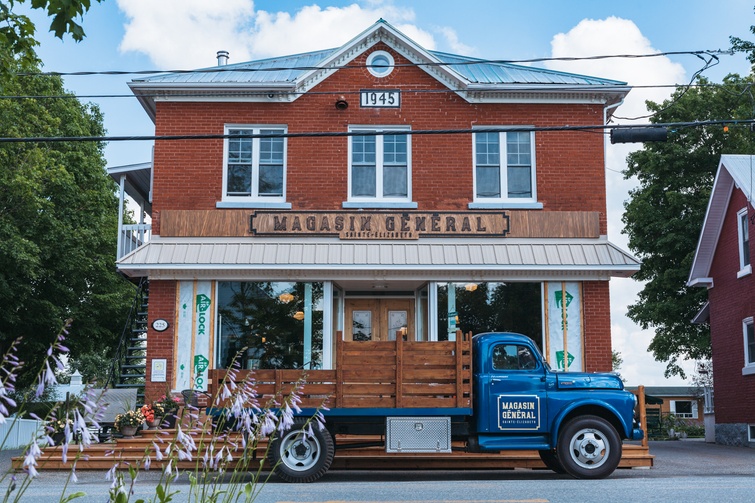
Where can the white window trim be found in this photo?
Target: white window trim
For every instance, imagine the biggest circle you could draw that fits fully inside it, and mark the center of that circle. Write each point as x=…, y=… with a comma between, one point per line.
x=744, y=269
x=379, y=201
x=380, y=71
x=693, y=402
x=255, y=200
x=504, y=201
x=748, y=368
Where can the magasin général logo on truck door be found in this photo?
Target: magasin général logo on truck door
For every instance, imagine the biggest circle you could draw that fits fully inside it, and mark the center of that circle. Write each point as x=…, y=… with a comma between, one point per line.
x=518, y=412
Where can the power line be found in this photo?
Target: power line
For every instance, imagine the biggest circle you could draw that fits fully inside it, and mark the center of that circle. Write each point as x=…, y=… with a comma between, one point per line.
x=335, y=134
x=468, y=62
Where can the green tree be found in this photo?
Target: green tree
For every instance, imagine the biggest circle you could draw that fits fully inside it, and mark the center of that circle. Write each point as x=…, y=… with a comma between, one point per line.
x=664, y=214
x=58, y=225
x=17, y=40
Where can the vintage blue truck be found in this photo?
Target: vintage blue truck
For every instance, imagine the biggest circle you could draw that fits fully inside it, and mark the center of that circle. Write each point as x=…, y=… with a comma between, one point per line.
x=492, y=393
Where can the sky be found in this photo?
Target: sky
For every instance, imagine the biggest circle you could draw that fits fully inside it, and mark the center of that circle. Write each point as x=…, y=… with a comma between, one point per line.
x=134, y=35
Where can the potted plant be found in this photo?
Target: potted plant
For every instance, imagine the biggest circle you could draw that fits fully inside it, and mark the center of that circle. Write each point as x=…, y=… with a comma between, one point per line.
x=57, y=429
x=165, y=409
x=148, y=411
x=128, y=422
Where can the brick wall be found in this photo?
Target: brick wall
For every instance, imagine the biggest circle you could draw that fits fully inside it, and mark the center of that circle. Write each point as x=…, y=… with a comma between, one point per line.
x=570, y=167
x=162, y=304
x=597, y=326
x=731, y=301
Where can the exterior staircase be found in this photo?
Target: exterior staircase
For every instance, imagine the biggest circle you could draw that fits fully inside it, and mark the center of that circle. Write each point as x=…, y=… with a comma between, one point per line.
x=129, y=366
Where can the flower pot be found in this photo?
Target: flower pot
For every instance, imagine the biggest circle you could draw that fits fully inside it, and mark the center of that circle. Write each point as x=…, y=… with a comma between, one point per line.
x=153, y=425
x=169, y=421
x=58, y=438
x=128, y=431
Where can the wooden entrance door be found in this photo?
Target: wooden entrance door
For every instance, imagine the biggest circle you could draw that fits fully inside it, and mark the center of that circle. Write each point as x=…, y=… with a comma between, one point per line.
x=379, y=319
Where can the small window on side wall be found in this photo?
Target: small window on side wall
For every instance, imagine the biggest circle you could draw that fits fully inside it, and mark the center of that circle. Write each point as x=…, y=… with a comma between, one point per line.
x=743, y=233
x=748, y=329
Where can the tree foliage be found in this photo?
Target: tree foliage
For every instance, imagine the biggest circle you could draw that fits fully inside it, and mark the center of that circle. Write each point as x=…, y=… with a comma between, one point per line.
x=17, y=32
x=58, y=224
x=664, y=214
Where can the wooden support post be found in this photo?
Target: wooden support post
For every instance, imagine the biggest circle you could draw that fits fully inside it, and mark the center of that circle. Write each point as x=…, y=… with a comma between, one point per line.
x=399, y=369
x=339, y=369
x=643, y=413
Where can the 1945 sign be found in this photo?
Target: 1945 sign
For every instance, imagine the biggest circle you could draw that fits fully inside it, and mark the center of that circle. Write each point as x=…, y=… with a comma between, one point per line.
x=380, y=98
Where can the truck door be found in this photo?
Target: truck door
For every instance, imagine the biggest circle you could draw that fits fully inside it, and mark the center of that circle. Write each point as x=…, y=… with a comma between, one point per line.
x=516, y=396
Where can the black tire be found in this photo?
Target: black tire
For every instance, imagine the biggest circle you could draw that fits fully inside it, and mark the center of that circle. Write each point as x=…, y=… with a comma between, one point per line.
x=551, y=461
x=297, y=457
x=589, y=448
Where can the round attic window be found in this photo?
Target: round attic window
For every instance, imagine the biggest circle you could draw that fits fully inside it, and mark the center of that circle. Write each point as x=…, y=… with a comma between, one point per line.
x=380, y=64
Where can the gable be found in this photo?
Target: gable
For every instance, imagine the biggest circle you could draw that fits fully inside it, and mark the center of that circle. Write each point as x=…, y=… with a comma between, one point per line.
x=734, y=172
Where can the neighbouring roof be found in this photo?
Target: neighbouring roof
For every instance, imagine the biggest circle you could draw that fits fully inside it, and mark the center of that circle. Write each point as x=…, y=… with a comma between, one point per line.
x=431, y=259
x=286, y=78
x=733, y=171
x=668, y=391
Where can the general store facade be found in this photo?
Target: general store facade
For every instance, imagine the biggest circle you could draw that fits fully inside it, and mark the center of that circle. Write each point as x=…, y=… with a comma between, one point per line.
x=372, y=191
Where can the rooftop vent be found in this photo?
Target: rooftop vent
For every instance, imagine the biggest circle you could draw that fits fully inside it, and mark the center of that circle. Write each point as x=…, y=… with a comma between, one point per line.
x=222, y=58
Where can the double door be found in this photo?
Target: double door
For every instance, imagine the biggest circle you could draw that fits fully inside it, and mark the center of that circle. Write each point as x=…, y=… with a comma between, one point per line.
x=379, y=319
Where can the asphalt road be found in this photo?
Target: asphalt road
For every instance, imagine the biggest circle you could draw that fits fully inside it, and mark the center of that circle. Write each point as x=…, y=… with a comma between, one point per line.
x=688, y=470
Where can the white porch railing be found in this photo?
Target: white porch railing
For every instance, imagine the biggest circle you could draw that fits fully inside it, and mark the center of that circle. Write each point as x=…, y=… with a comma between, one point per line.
x=132, y=236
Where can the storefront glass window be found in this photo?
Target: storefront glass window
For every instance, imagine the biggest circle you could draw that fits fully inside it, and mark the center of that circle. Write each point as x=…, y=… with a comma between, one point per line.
x=490, y=307
x=279, y=323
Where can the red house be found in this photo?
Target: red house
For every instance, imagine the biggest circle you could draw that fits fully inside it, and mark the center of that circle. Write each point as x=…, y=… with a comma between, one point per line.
x=722, y=265
x=372, y=191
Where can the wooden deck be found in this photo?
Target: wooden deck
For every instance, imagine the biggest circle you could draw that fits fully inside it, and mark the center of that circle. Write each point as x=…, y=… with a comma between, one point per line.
x=134, y=451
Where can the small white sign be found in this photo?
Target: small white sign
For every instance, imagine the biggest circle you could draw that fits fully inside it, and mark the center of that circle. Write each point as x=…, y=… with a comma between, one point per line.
x=159, y=369
x=160, y=325
x=380, y=98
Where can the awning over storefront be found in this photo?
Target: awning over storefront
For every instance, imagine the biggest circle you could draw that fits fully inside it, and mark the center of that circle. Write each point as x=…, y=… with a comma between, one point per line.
x=427, y=259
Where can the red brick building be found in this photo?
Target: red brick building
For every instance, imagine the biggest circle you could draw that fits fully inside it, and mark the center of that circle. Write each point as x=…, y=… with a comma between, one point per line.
x=372, y=191
x=722, y=265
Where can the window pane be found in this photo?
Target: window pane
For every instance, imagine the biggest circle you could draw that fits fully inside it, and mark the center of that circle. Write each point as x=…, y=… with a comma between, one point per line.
x=518, y=151
x=240, y=149
x=745, y=240
x=363, y=181
x=683, y=407
x=750, y=343
x=363, y=150
x=488, y=181
x=239, y=180
x=394, y=150
x=519, y=182
x=395, y=182
x=271, y=180
x=488, y=149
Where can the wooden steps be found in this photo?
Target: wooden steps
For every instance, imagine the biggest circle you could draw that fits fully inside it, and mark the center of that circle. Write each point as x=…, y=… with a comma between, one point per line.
x=135, y=450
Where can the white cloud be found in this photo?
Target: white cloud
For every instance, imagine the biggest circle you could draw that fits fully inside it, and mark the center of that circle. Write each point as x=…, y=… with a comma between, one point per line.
x=184, y=34
x=613, y=36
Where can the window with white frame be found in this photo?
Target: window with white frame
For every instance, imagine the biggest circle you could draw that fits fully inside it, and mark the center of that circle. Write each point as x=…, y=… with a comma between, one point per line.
x=504, y=166
x=748, y=329
x=380, y=165
x=255, y=166
x=684, y=408
x=743, y=232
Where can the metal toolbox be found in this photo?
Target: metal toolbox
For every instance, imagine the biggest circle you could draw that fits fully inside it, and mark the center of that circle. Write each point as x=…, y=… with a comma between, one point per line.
x=418, y=434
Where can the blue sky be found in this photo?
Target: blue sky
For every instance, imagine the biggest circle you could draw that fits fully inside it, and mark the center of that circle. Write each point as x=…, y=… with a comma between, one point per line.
x=184, y=34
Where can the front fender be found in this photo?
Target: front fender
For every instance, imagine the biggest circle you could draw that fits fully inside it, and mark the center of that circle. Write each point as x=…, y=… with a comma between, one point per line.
x=611, y=409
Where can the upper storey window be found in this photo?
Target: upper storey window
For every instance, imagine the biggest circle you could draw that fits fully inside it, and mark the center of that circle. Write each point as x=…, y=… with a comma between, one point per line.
x=380, y=166
x=255, y=166
x=380, y=63
x=504, y=167
x=743, y=232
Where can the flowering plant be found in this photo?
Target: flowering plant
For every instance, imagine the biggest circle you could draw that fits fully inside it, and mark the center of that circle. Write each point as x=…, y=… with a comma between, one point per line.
x=59, y=425
x=129, y=418
x=148, y=412
x=166, y=404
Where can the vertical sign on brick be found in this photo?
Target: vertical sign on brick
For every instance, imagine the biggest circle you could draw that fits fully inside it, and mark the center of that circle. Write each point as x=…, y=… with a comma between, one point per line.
x=183, y=353
x=563, y=301
x=202, y=332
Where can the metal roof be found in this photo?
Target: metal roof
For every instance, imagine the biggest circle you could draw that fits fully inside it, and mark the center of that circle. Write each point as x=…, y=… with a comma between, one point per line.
x=733, y=171
x=138, y=178
x=287, y=69
x=483, y=259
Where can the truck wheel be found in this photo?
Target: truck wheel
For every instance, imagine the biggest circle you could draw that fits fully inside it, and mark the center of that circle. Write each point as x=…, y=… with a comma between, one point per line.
x=589, y=448
x=551, y=461
x=299, y=457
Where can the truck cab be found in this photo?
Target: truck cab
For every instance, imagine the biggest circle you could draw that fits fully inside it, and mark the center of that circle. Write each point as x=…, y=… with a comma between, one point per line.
x=575, y=420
